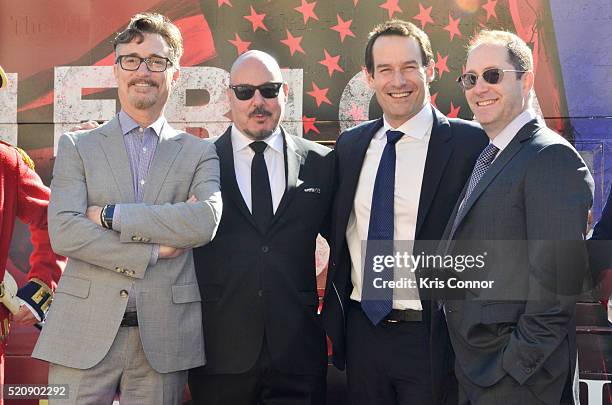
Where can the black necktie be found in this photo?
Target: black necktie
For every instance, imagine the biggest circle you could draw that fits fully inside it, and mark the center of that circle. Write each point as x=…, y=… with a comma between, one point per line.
x=261, y=193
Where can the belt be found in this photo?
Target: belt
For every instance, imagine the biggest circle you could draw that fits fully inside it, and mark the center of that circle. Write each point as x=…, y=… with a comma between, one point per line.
x=396, y=315
x=404, y=315
x=129, y=319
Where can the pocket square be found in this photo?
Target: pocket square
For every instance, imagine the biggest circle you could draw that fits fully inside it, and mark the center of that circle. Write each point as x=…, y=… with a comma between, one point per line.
x=315, y=190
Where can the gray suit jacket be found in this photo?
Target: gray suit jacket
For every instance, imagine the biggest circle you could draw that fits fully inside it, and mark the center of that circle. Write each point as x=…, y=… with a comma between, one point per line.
x=529, y=214
x=92, y=168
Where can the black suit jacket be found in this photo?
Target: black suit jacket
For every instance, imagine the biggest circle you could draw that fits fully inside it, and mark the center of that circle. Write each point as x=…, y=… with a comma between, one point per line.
x=262, y=286
x=454, y=146
x=529, y=214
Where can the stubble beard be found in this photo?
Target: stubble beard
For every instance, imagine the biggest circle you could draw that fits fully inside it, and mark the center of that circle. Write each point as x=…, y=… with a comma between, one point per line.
x=260, y=135
x=144, y=103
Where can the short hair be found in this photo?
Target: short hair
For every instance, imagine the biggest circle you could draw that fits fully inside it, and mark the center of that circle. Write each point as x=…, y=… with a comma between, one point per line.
x=519, y=54
x=403, y=29
x=153, y=23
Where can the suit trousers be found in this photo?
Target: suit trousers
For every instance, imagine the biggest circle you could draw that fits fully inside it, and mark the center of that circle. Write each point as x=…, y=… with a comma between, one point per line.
x=389, y=363
x=124, y=371
x=261, y=385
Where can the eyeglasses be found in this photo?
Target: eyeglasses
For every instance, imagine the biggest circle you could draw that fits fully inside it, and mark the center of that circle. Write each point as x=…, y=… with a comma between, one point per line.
x=154, y=63
x=492, y=76
x=247, y=91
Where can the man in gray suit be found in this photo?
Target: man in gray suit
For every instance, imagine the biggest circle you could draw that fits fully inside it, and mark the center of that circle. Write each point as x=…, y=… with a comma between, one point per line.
x=526, y=206
x=128, y=200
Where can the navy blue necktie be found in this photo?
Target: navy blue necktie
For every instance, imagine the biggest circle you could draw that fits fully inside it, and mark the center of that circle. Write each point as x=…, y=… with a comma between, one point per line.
x=378, y=302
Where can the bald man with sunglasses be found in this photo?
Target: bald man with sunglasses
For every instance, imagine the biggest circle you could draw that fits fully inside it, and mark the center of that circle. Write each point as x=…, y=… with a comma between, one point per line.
x=264, y=340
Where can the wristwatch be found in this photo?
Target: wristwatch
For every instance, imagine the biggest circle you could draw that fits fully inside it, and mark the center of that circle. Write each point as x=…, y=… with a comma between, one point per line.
x=106, y=216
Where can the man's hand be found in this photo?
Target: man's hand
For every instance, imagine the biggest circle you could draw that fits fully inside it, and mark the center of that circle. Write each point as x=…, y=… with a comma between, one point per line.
x=85, y=126
x=25, y=317
x=93, y=213
x=167, y=252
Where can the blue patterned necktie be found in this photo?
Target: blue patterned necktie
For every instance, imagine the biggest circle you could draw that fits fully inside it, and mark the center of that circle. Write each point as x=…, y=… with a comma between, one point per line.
x=377, y=302
x=480, y=168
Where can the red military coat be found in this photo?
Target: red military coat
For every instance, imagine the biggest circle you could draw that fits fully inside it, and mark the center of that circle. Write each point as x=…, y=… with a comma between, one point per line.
x=23, y=195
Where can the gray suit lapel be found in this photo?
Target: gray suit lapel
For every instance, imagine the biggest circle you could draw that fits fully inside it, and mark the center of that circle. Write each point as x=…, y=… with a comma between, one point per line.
x=167, y=150
x=114, y=149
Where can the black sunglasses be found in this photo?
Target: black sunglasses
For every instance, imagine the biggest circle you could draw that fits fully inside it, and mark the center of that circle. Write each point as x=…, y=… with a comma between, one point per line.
x=247, y=91
x=468, y=81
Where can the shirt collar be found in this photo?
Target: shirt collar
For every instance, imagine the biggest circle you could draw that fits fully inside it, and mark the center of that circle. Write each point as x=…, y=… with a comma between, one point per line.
x=416, y=127
x=509, y=132
x=241, y=141
x=128, y=124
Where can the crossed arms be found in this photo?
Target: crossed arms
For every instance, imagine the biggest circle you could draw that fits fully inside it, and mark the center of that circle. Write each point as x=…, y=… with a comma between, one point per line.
x=179, y=225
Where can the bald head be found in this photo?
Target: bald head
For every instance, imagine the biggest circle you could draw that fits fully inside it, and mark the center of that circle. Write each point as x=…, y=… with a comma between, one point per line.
x=257, y=117
x=249, y=59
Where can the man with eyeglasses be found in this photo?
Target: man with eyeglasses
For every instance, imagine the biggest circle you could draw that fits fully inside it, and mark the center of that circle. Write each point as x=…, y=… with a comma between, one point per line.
x=264, y=340
x=128, y=201
x=526, y=205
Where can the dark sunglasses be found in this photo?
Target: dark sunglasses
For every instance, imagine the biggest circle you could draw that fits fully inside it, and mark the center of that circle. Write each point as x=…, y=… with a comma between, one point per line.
x=468, y=81
x=247, y=91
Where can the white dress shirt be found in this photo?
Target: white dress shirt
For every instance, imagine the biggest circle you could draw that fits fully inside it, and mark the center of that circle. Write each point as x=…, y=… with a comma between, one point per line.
x=411, y=153
x=275, y=163
x=509, y=132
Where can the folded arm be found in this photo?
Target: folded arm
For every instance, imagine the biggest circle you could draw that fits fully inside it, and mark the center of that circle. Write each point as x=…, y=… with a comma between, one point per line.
x=181, y=225
x=73, y=234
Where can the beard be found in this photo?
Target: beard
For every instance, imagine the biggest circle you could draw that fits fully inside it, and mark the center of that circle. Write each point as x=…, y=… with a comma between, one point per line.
x=144, y=103
x=260, y=135
x=263, y=133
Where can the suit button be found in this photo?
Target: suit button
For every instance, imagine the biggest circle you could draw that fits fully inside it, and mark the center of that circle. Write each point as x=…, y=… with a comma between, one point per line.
x=260, y=293
x=146, y=240
x=124, y=294
x=135, y=238
x=265, y=249
x=119, y=270
x=129, y=272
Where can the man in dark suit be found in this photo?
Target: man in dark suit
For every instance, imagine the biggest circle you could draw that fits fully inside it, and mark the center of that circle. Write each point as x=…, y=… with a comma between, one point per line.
x=397, y=352
x=525, y=205
x=264, y=340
